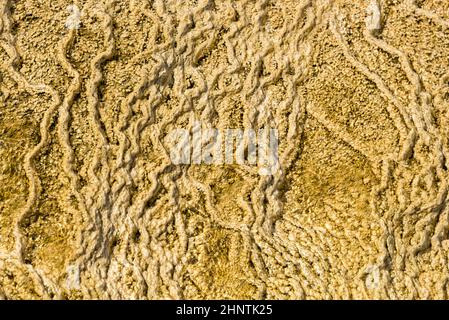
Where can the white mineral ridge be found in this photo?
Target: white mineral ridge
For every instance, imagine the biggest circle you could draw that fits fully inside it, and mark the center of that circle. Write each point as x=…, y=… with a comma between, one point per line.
x=373, y=16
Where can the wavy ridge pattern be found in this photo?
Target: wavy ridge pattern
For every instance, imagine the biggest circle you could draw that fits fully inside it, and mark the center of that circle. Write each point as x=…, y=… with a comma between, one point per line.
x=342, y=217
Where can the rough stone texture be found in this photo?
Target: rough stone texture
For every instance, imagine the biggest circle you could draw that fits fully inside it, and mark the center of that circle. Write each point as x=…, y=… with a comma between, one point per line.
x=92, y=207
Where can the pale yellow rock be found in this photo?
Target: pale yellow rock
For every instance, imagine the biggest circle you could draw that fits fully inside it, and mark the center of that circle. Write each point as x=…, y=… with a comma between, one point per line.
x=91, y=205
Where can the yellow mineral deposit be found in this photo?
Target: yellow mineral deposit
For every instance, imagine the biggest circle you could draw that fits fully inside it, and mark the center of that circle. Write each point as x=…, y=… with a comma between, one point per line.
x=91, y=205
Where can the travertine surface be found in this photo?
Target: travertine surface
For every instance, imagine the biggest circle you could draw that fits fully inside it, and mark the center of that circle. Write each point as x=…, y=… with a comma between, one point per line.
x=92, y=207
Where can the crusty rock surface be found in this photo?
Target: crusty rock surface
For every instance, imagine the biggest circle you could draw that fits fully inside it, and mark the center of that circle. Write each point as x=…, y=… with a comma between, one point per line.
x=91, y=205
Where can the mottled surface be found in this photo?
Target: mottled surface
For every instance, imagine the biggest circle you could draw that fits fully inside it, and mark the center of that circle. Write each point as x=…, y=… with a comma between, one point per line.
x=92, y=207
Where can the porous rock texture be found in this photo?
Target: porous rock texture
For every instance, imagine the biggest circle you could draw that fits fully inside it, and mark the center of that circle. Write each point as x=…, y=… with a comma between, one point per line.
x=91, y=206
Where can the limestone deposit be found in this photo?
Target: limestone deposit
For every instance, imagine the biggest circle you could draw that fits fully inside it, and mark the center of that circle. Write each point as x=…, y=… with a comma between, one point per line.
x=91, y=206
